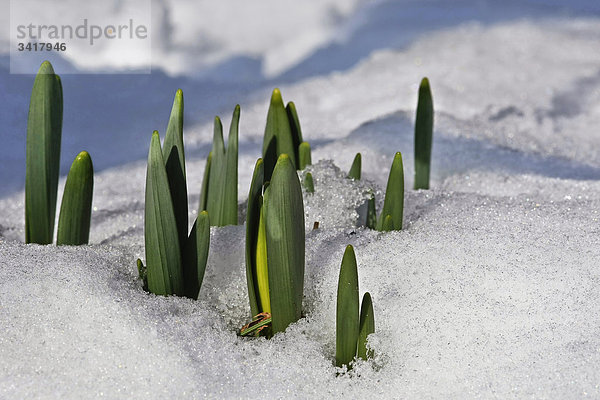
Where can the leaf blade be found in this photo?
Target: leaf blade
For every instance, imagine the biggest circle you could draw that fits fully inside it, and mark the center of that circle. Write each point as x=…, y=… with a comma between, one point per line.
x=355, y=169
x=393, y=204
x=217, y=169
x=347, y=318
x=76, y=205
x=205, y=183
x=304, y=156
x=309, y=184
x=366, y=326
x=163, y=256
x=174, y=156
x=44, y=125
x=285, y=243
x=296, y=132
x=423, y=136
x=230, y=185
x=277, y=139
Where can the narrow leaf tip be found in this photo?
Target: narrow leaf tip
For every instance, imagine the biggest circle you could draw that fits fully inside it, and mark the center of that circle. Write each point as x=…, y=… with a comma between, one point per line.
x=46, y=68
x=276, y=97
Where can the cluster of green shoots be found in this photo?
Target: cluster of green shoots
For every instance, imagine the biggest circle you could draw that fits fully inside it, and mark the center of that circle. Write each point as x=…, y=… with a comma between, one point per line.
x=275, y=224
x=175, y=260
x=275, y=232
x=44, y=130
x=391, y=215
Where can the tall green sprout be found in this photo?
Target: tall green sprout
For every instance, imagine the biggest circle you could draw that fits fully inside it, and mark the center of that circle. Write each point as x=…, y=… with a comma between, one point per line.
x=174, y=160
x=44, y=125
x=219, y=188
x=423, y=136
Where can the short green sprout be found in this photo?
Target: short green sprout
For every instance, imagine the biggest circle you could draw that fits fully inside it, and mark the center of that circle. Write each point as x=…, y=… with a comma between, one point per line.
x=352, y=327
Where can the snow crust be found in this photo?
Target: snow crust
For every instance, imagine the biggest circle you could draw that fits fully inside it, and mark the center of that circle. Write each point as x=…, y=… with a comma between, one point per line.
x=491, y=290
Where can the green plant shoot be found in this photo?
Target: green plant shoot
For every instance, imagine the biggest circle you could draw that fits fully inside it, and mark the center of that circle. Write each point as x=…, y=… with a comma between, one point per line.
x=352, y=330
x=76, y=205
x=296, y=131
x=366, y=327
x=163, y=254
x=347, y=315
x=174, y=156
x=304, y=155
x=308, y=183
x=423, y=136
x=283, y=135
x=219, y=187
x=355, y=169
x=275, y=255
x=44, y=125
x=393, y=204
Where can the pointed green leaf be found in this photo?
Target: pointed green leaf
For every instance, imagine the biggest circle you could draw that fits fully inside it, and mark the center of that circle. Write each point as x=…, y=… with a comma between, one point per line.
x=366, y=327
x=285, y=243
x=252, y=226
x=278, y=135
x=304, y=155
x=174, y=156
x=423, y=136
x=355, y=169
x=195, y=255
x=204, y=189
x=219, y=186
x=347, y=322
x=217, y=178
x=76, y=206
x=44, y=125
x=163, y=256
x=230, y=184
x=393, y=204
x=174, y=135
x=296, y=132
x=215, y=182
x=308, y=183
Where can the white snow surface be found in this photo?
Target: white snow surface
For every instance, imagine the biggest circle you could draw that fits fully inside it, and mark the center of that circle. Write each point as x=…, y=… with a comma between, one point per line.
x=491, y=290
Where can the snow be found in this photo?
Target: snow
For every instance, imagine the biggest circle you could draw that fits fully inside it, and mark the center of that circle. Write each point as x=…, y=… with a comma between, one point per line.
x=491, y=290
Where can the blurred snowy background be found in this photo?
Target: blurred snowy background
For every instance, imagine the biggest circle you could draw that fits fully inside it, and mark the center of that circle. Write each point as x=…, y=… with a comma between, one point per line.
x=493, y=288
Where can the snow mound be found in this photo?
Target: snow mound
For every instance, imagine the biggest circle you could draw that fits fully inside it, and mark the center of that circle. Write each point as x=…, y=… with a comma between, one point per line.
x=478, y=296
